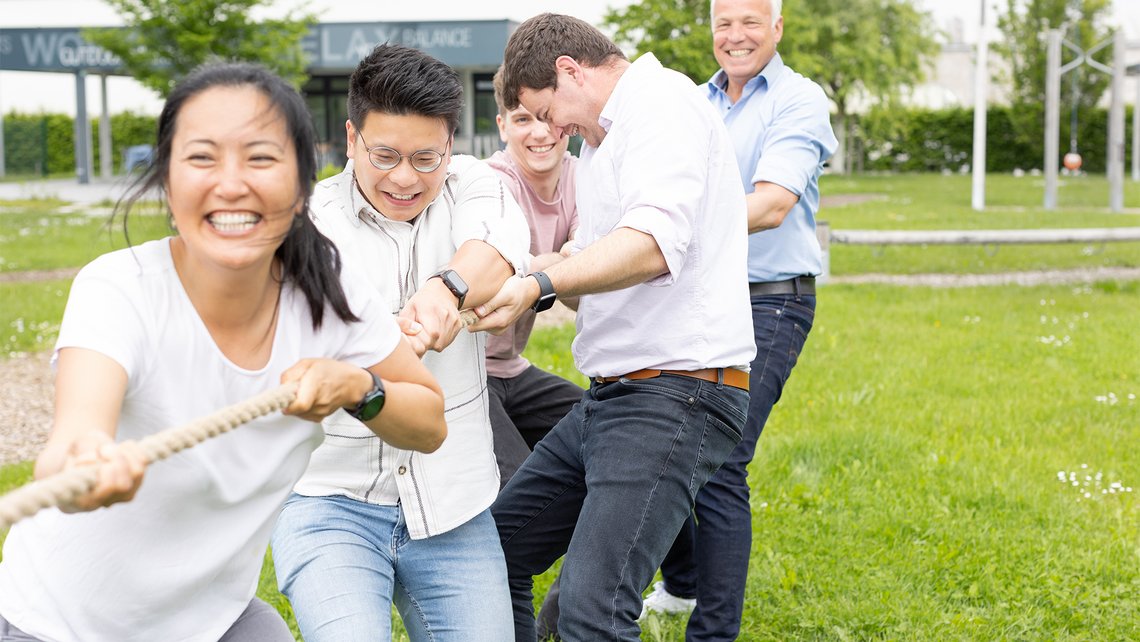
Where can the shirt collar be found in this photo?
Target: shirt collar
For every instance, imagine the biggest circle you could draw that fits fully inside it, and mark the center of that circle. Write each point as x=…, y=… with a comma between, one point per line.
x=644, y=64
x=767, y=76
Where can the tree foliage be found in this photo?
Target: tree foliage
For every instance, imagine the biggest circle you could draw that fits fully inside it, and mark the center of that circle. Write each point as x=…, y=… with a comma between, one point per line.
x=870, y=49
x=678, y=32
x=1026, y=24
x=164, y=40
x=876, y=47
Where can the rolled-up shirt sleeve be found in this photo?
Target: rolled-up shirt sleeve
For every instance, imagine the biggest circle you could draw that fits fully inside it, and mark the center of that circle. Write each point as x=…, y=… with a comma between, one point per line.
x=663, y=199
x=798, y=140
x=486, y=211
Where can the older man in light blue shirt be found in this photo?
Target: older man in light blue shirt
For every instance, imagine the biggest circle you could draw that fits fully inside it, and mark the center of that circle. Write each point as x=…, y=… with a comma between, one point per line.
x=779, y=123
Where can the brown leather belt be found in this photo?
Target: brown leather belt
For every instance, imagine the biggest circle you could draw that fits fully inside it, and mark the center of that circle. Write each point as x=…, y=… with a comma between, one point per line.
x=729, y=376
x=800, y=286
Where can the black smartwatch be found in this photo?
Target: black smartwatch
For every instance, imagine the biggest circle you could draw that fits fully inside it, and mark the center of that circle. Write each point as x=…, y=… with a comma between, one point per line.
x=372, y=402
x=454, y=282
x=546, y=295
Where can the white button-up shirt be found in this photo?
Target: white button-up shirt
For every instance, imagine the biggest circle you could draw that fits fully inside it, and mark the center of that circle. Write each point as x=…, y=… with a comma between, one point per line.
x=666, y=168
x=444, y=489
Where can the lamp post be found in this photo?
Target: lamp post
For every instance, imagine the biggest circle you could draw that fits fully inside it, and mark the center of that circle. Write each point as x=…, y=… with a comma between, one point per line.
x=981, y=85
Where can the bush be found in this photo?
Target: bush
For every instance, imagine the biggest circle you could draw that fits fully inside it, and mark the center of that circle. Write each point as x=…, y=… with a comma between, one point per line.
x=44, y=144
x=924, y=140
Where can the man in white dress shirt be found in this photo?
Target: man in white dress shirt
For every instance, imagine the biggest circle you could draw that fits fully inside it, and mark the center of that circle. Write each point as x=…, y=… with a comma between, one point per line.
x=664, y=326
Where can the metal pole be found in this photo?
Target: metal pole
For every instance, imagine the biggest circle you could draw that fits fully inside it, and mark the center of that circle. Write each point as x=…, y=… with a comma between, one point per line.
x=82, y=168
x=1116, y=127
x=1052, y=115
x=1135, y=134
x=106, y=163
x=2, y=172
x=981, y=84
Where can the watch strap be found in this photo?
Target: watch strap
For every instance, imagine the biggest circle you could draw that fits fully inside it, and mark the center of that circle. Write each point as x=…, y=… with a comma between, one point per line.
x=453, y=282
x=546, y=294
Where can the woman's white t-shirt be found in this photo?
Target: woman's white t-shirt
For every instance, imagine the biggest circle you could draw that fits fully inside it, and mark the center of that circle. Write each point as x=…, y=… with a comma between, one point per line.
x=181, y=561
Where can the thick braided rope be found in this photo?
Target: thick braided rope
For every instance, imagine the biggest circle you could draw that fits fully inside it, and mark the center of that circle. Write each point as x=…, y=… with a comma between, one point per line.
x=66, y=485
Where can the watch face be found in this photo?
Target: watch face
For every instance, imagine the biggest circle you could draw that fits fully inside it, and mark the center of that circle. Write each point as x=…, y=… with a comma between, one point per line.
x=455, y=283
x=544, y=302
x=372, y=403
x=372, y=406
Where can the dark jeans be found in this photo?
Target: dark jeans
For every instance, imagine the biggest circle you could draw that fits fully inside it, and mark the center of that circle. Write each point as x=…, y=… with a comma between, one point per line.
x=524, y=408
x=610, y=487
x=709, y=560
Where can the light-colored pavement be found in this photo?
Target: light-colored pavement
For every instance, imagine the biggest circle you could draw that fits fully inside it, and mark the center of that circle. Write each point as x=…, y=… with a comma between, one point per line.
x=97, y=191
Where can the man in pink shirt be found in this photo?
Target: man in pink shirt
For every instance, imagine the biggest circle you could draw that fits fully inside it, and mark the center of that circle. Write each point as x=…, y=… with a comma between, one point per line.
x=526, y=401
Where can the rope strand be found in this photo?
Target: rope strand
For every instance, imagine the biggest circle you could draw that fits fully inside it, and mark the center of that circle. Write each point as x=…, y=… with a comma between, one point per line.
x=66, y=485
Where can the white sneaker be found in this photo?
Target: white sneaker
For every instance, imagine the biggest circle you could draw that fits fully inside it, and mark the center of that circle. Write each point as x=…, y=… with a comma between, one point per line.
x=662, y=601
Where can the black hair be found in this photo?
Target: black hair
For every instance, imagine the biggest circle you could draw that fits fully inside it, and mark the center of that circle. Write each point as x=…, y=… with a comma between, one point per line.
x=308, y=258
x=400, y=81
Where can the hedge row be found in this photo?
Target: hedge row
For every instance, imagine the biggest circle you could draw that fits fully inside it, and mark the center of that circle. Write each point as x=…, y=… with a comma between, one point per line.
x=905, y=140
x=915, y=140
x=45, y=143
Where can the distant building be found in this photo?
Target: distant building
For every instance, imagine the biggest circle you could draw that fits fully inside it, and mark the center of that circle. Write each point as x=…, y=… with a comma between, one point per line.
x=473, y=48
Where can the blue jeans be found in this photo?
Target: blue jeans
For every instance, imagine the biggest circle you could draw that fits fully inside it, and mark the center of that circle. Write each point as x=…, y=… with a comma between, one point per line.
x=342, y=563
x=709, y=560
x=610, y=486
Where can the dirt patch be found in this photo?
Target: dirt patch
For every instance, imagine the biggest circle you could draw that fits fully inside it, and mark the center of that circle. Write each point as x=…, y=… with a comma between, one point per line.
x=35, y=276
x=1038, y=277
x=25, y=406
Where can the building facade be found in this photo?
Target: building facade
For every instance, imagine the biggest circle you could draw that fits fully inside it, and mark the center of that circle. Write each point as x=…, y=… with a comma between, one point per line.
x=474, y=48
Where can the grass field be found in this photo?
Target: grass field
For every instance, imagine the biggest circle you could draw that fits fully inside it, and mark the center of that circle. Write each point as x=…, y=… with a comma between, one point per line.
x=35, y=236
x=946, y=464
x=907, y=486
x=930, y=202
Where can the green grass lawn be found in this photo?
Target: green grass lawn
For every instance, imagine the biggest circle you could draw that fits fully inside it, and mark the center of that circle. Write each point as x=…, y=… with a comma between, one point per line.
x=931, y=202
x=30, y=315
x=34, y=236
x=946, y=464
x=907, y=485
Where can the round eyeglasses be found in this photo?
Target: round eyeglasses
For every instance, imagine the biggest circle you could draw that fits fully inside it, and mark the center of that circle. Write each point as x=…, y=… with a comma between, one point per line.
x=385, y=158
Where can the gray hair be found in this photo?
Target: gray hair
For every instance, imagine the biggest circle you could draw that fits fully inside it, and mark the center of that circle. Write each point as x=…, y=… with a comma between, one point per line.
x=777, y=7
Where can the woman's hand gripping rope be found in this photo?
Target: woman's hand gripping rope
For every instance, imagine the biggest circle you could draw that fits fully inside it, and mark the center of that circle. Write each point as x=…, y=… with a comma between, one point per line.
x=110, y=470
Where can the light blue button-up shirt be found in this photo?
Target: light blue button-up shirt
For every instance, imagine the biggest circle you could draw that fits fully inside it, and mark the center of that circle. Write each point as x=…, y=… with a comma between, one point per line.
x=781, y=129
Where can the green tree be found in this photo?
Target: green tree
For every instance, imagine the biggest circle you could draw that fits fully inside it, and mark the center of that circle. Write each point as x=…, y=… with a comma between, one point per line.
x=1025, y=25
x=678, y=32
x=870, y=50
x=164, y=40
x=860, y=51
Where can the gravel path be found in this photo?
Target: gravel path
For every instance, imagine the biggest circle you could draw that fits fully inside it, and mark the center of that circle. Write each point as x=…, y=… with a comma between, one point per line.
x=26, y=384
x=25, y=406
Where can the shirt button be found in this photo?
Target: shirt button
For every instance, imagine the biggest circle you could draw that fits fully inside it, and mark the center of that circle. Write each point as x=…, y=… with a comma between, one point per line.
x=402, y=470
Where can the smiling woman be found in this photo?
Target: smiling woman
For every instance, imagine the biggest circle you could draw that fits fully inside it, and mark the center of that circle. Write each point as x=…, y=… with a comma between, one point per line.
x=247, y=296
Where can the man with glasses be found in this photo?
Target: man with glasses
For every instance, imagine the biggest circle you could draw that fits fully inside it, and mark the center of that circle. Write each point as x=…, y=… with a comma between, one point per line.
x=371, y=524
